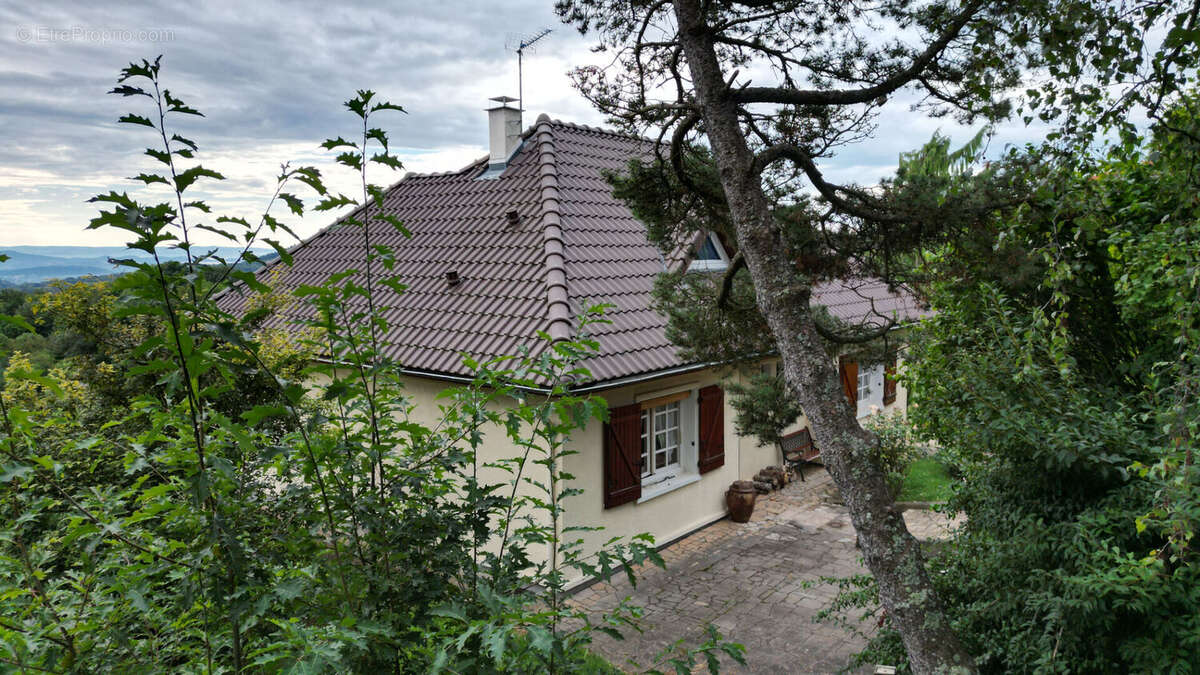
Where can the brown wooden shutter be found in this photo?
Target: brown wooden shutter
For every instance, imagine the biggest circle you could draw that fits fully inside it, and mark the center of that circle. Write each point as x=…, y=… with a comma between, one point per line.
x=889, y=382
x=849, y=372
x=712, y=428
x=623, y=456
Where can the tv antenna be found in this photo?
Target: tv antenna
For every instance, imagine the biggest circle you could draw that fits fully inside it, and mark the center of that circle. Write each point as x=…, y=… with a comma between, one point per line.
x=519, y=43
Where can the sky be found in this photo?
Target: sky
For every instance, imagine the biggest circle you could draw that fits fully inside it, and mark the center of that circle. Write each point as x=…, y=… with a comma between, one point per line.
x=271, y=78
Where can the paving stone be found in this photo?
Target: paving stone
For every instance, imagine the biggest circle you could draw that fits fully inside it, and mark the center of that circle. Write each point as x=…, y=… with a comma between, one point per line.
x=758, y=583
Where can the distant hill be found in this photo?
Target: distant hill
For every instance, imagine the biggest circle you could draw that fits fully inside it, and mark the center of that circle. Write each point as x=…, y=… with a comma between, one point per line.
x=37, y=264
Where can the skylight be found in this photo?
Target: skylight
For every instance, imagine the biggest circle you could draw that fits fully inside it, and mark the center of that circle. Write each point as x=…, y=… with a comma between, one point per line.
x=711, y=257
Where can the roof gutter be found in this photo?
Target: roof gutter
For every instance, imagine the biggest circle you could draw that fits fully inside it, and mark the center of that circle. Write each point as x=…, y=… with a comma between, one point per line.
x=430, y=375
x=582, y=389
x=677, y=370
x=653, y=375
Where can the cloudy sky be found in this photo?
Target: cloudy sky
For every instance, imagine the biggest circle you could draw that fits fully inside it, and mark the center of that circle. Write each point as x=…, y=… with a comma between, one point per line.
x=270, y=78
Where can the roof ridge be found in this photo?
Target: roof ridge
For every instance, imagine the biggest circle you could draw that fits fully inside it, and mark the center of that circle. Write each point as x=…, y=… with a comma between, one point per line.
x=558, y=309
x=544, y=118
x=530, y=132
x=434, y=174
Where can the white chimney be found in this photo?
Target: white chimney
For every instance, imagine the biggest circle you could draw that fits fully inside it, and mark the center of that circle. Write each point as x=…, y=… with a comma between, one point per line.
x=504, y=132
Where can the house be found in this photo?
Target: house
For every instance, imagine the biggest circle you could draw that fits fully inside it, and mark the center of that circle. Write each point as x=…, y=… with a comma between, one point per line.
x=520, y=242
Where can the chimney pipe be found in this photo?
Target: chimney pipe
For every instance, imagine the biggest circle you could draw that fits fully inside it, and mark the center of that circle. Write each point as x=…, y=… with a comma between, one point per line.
x=504, y=132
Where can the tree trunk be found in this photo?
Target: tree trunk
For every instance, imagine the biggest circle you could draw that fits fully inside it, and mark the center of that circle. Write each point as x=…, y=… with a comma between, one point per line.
x=783, y=294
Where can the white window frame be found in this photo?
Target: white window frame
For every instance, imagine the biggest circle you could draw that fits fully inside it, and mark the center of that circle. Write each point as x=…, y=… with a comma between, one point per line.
x=686, y=470
x=870, y=389
x=656, y=422
x=711, y=265
x=863, y=384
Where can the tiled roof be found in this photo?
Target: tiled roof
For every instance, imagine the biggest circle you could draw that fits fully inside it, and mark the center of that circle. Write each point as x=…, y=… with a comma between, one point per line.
x=574, y=245
x=867, y=302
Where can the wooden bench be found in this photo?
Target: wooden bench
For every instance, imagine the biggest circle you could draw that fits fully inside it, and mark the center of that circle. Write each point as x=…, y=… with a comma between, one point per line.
x=798, y=449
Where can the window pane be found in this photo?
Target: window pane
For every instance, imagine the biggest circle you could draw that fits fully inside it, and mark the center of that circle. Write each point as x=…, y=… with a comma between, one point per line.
x=708, y=251
x=661, y=438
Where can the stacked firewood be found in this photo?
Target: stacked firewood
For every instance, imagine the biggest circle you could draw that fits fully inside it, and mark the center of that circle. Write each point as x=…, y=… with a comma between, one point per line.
x=770, y=478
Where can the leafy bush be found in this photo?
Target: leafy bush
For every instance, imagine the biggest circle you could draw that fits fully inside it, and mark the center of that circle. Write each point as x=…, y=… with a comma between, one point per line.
x=307, y=523
x=1060, y=376
x=763, y=407
x=896, y=449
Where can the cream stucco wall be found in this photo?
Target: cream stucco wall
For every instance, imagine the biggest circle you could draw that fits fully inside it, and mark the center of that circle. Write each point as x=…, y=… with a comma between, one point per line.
x=426, y=410
x=682, y=510
x=666, y=516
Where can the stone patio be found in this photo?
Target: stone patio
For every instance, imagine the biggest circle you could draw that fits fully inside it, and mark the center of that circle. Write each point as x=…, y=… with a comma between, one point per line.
x=758, y=583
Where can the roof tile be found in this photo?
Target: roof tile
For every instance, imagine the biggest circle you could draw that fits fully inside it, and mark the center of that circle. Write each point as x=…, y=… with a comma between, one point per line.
x=575, y=244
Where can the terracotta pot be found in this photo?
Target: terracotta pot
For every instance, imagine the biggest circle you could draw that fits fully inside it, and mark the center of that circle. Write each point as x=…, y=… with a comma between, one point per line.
x=740, y=498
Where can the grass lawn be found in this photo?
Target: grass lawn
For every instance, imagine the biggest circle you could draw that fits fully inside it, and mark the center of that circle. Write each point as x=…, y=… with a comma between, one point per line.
x=927, y=481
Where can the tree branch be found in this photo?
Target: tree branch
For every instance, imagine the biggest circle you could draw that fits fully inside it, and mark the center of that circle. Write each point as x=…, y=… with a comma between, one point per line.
x=848, y=339
x=678, y=140
x=790, y=96
x=828, y=190
x=736, y=264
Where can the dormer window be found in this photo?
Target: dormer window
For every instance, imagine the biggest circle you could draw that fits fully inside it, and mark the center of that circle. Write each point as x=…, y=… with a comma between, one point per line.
x=711, y=257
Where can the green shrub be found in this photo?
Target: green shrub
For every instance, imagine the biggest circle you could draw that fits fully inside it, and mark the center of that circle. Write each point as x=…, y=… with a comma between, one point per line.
x=1060, y=378
x=896, y=450
x=237, y=517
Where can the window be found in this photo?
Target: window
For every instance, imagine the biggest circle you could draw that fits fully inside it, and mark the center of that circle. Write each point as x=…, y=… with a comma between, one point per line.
x=864, y=384
x=661, y=442
x=711, y=257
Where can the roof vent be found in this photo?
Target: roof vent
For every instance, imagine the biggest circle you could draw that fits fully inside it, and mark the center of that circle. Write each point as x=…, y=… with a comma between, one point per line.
x=513, y=218
x=452, y=278
x=504, y=134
